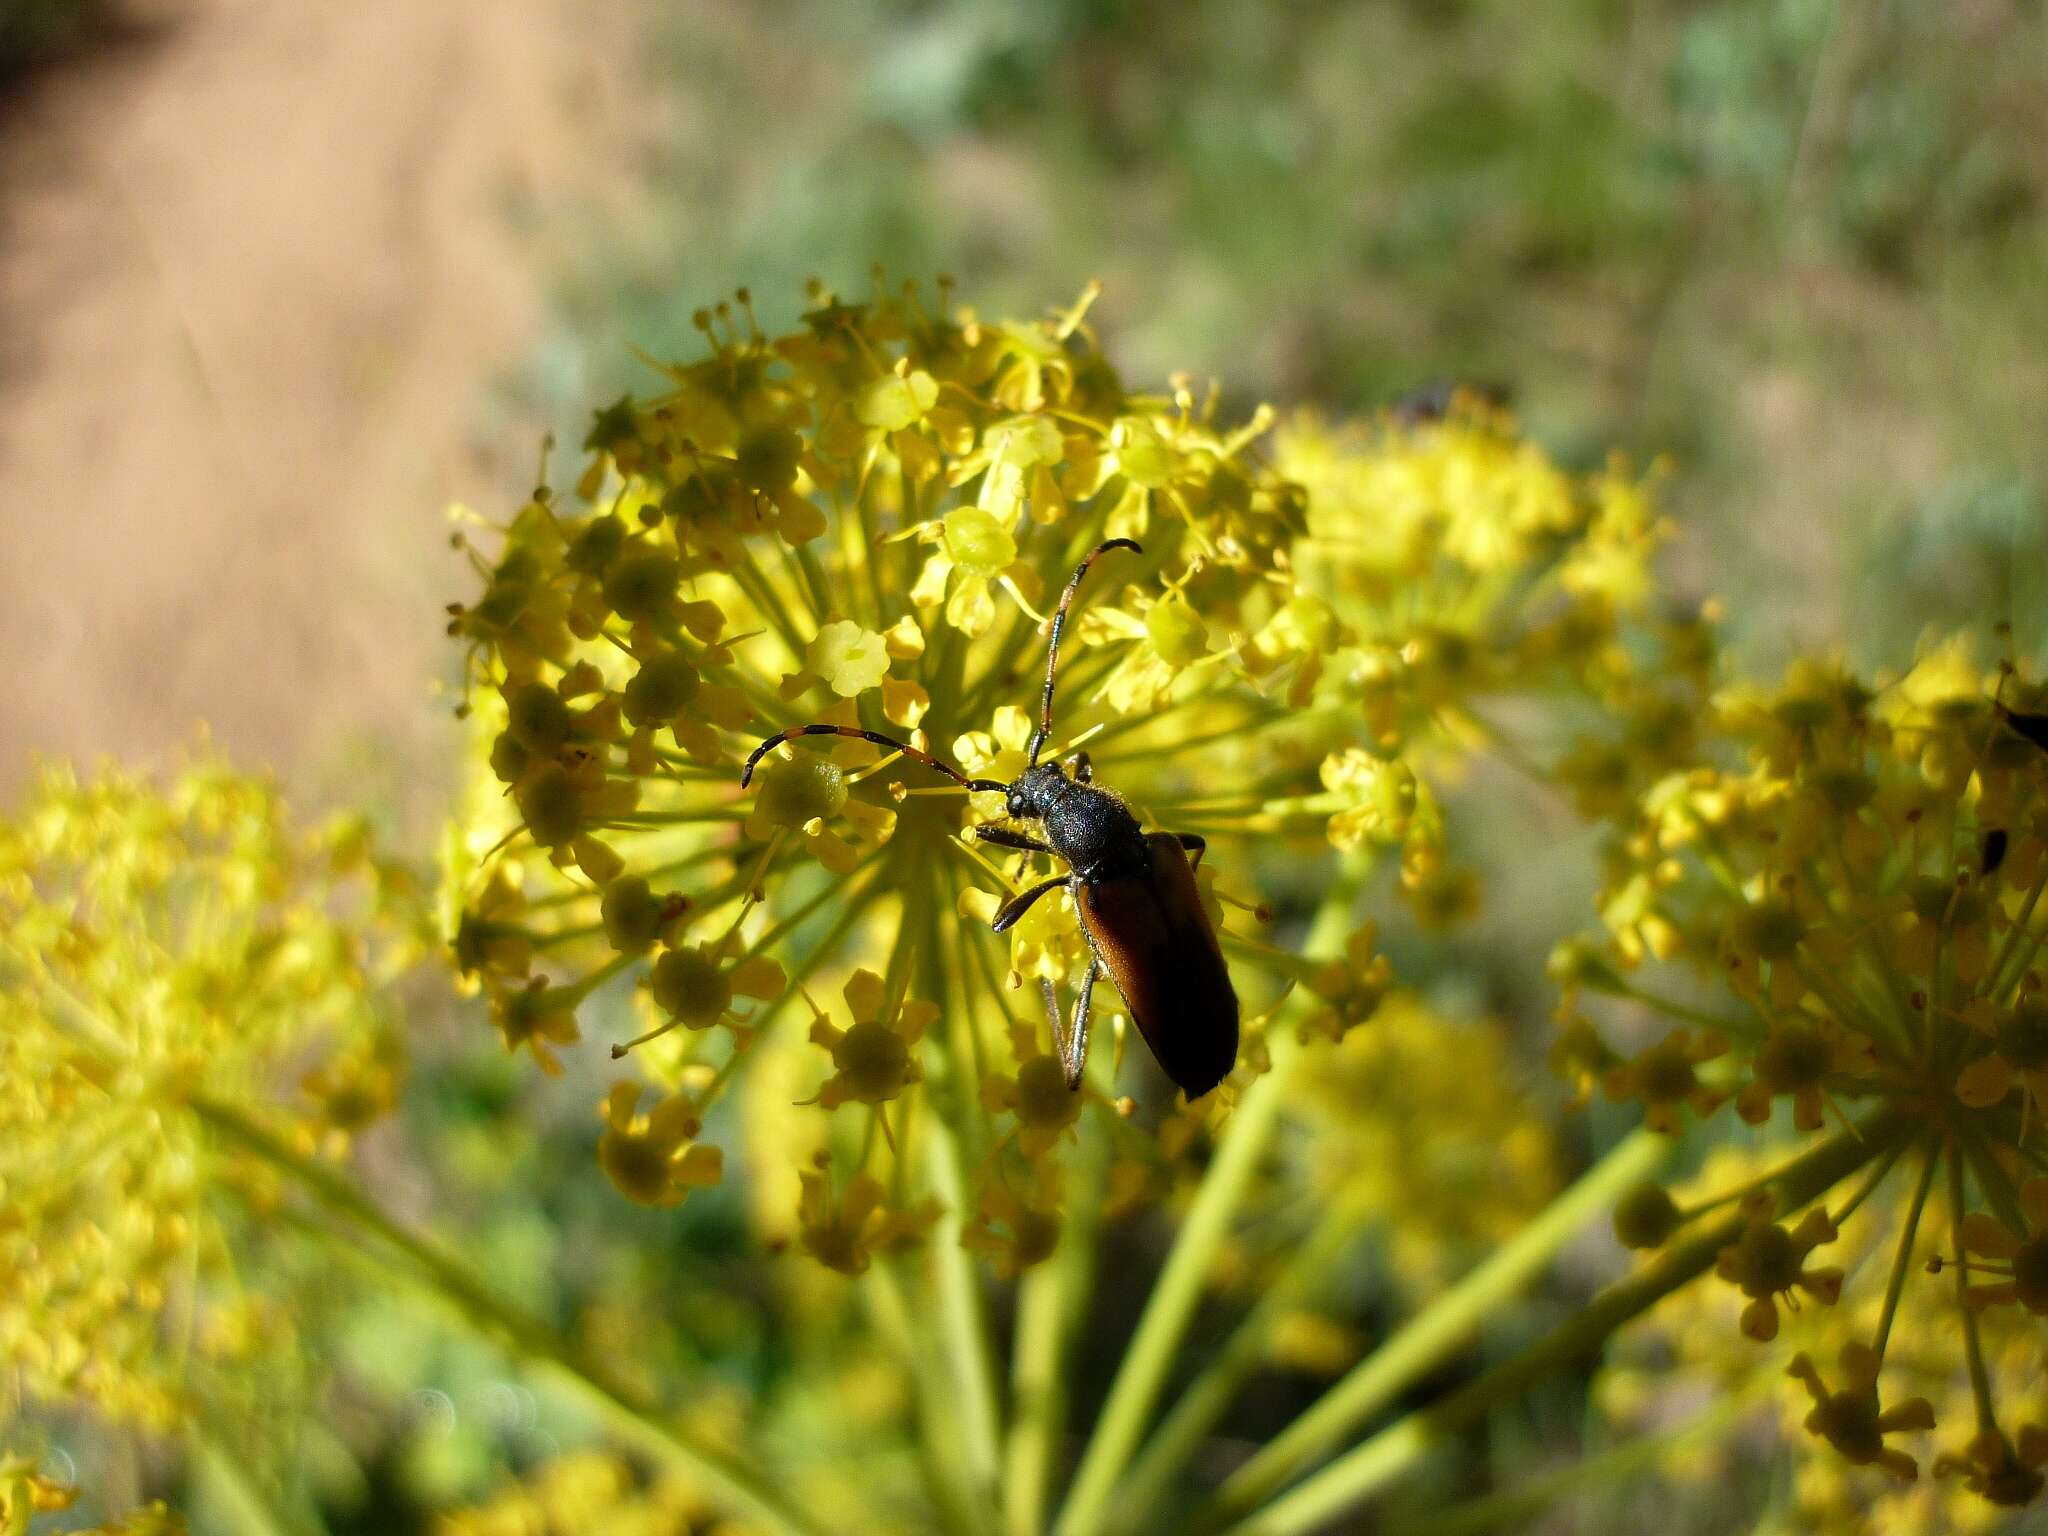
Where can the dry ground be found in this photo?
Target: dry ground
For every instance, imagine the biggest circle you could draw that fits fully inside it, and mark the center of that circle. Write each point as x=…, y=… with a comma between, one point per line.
x=257, y=271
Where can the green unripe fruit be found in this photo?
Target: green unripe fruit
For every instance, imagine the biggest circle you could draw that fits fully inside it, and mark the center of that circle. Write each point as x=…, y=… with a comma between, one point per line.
x=1645, y=1217
x=632, y=914
x=688, y=986
x=1177, y=632
x=801, y=788
x=872, y=1058
x=1043, y=1098
x=767, y=459
x=661, y=689
x=642, y=587
x=977, y=542
x=537, y=719
x=596, y=544
x=508, y=758
x=552, y=806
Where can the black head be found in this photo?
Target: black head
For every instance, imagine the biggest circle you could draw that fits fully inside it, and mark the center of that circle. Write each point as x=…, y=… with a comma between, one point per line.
x=1036, y=790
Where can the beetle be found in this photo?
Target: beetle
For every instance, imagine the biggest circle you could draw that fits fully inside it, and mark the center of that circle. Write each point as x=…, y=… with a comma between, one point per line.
x=1134, y=891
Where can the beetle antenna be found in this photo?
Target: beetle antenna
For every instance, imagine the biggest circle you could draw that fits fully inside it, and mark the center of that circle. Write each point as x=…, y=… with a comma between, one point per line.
x=1059, y=623
x=747, y=773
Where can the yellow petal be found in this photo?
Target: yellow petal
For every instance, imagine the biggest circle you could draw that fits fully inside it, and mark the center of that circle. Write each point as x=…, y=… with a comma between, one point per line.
x=864, y=995
x=1984, y=1082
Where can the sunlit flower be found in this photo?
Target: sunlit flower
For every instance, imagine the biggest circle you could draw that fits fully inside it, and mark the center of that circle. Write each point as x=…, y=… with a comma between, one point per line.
x=172, y=960
x=1837, y=915
x=654, y=1159
x=874, y=1060
x=845, y=1229
x=579, y=1491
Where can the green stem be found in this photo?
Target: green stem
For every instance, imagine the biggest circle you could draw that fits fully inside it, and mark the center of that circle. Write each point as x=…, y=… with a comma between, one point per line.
x=961, y=1320
x=1444, y=1326
x=1034, y=1386
x=940, y=1454
x=1973, y=1345
x=1179, y=1286
x=1050, y=1301
x=1518, y=1506
x=242, y=1506
x=1895, y=1287
x=1149, y=1483
x=725, y=1478
x=1368, y=1467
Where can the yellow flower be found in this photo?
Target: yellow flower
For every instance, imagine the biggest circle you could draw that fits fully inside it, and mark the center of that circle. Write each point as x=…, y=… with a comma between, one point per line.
x=1852, y=1421
x=2018, y=1259
x=845, y=1232
x=836, y=555
x=1019, y=1231
x=1842, y=896
x=173, y=957
x=1046, y=1110
x=875, y=1060
x=654, y=1159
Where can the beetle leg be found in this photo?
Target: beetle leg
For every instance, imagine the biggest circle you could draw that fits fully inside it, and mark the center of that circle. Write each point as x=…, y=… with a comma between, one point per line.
x=1080, y=769
x=1017, y=906
x=1074, y=1049
x=1003, y=837
x=1195, y=843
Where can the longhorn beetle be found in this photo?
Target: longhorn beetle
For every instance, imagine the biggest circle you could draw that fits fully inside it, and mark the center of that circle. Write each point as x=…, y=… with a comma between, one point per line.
x=1134, y=891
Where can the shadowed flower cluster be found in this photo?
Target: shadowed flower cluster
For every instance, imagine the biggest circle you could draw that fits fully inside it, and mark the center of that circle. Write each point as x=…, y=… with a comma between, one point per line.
x=1837, y=933
x=174, y=962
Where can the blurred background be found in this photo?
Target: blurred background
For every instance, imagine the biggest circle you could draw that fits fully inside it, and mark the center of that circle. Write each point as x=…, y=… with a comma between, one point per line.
x=279, y=283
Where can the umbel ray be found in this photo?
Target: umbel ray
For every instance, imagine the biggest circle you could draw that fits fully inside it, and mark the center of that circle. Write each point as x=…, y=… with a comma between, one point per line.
x=1134, y=891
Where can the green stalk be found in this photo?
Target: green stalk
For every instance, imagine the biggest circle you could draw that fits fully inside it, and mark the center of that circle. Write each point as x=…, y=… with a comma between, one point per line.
x=1034, y=1383
x=1149, y=1483
x=1518, y=1506
x=941, y=1456
x=1395, y=1450
x=1050, y=1299
x=1179, y=1286
x=727, y=1479
x=962, y=1324
x=1444, y=1326
x=961, y=1320
x=234, y=1493
x=1895, y=1287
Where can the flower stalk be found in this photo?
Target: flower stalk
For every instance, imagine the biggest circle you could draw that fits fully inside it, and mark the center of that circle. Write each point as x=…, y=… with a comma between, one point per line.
x=1395, y=1450
x=724, y=1476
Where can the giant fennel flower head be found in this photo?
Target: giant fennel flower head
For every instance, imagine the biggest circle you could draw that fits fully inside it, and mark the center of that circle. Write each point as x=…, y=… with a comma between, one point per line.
x=174, y=961
x=1492, y=602
x=870, y=524
x=1837, y=934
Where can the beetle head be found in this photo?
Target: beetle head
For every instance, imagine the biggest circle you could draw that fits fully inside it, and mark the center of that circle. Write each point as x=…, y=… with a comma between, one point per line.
x=1035, y=790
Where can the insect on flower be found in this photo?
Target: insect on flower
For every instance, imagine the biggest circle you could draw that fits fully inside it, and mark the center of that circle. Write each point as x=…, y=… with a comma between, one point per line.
x=1134, y=892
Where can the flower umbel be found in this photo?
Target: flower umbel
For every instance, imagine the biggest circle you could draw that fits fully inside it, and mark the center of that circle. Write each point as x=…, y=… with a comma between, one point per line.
x=164, y=950
x=1854, y=895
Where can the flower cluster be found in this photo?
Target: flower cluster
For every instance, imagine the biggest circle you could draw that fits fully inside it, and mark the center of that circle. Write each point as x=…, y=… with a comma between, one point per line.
x=1463, y=575
x=26, y=1491
x=867, y=524
x=582, y=1491
x=169, y=959
x=1693, y=1349
x=1838, y=935
x=1418, y=1121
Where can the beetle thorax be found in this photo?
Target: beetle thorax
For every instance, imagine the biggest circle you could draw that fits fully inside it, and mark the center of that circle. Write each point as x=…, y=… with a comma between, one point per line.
x=1094, y=831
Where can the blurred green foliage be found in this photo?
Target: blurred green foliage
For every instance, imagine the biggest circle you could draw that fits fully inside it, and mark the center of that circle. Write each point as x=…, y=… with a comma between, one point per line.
x=1800, y=245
